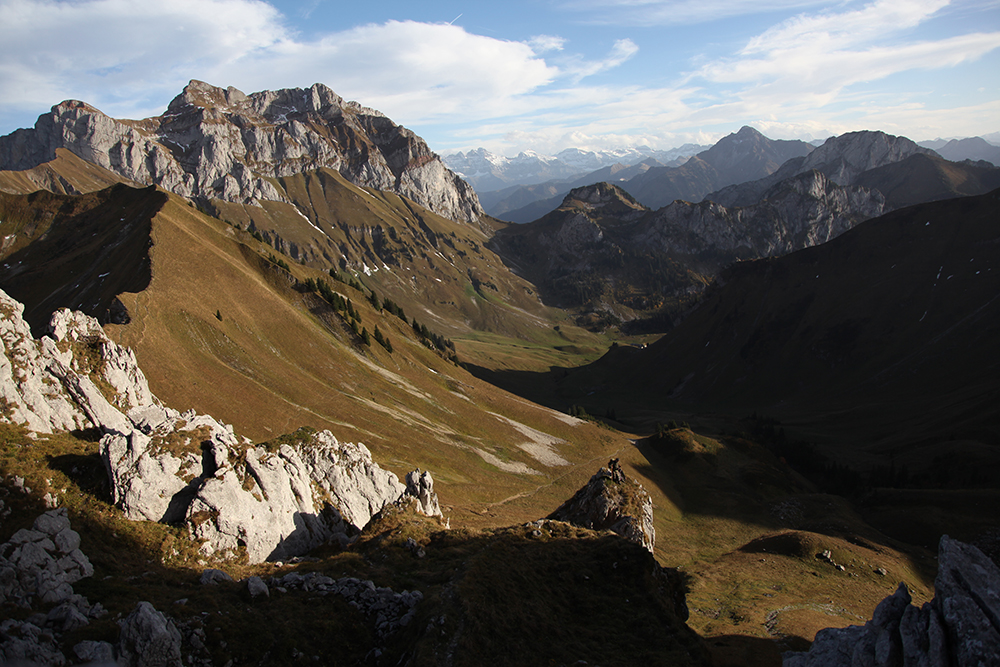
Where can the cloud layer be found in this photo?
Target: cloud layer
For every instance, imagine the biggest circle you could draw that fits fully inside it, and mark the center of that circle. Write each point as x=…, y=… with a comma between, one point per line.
x=817, y=72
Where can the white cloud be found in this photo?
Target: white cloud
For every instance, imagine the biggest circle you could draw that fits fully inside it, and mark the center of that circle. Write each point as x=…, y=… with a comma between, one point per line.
x=827, y=30
x=814, y=62
x=622, y=51
x=809, y=74
x=121, y=56
x=672, y=12
x=117, y=51
x=543, y=43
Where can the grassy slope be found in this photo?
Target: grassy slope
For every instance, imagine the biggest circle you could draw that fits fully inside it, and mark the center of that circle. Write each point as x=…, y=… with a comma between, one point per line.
x=67, y=174
x=96, y=251
x=291, y=362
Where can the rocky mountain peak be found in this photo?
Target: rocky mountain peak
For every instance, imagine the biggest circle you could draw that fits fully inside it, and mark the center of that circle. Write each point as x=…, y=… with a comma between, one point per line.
x=206, y=96
x=219, y=143
x=845, y=157
x=602, y=195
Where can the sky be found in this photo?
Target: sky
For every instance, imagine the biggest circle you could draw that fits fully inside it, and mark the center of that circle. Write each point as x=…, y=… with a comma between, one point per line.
x=543, y=75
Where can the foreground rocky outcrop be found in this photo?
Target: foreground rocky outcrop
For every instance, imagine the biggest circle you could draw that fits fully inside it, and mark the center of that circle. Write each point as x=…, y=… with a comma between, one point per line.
x=38, y=567
x=612, y=501
x=960, y=627
x=215, y=143
x=273, y=500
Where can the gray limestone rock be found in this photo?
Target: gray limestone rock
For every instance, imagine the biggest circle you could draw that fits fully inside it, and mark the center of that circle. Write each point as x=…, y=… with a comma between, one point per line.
x=175, y=467
x=420, y=485
x=48, y=386
x=223, y=144
x=960, y=627
x=148, y=639
x=257, y=588
x=27, y=644
x=89, y=651
x=389, y=610
x=612, y=501
x=34, y=567
x=212, y=577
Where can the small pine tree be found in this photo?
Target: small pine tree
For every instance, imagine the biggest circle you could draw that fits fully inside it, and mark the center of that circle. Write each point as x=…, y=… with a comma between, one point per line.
x=365, y=338
x=218, y=315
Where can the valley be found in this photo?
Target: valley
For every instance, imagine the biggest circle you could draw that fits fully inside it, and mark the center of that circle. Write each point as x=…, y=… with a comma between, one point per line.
x=804, y=384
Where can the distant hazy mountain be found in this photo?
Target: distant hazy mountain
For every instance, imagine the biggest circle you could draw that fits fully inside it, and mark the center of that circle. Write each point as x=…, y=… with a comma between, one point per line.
x=743, y=156
x=972, y=148
x=524, y=203
x=488, y=172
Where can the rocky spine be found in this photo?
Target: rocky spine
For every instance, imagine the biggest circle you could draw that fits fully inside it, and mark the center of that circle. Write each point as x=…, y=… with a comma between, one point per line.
x=273, y=501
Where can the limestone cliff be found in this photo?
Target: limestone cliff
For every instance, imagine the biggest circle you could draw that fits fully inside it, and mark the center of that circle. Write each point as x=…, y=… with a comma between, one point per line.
x=274, y=500
x=214, y=143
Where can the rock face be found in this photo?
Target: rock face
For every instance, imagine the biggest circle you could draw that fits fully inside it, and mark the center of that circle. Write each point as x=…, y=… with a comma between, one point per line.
x=281, y=501
x=797, y=213
x=960, y=627
x=222, y=144
x=736, y=158
x=841, y=159
x=274, y=501
x=612, y=501
x=55, y=382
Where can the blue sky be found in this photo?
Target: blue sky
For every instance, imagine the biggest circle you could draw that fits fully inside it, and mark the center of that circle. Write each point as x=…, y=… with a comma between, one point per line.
x=542, y=75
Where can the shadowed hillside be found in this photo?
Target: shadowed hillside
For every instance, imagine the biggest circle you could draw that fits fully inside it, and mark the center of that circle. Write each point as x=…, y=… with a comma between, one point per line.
x=883, y=337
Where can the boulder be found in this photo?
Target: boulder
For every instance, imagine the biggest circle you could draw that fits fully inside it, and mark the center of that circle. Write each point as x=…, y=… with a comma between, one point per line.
x=42, y=563
x=213, y=577
x=148, y=639
x=257, y=588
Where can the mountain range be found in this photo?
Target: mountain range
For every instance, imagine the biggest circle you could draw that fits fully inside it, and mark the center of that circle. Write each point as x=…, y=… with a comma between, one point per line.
x=737, y=158
x=488, y=171
x=817, y=412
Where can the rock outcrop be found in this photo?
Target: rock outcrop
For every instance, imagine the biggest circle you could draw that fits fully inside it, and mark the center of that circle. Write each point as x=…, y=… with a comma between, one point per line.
x=612, y=501
x=960, y=627
x=215, y=143
x=274, y=500
x=601, y=241
x=38, y=567
x=74, y=378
